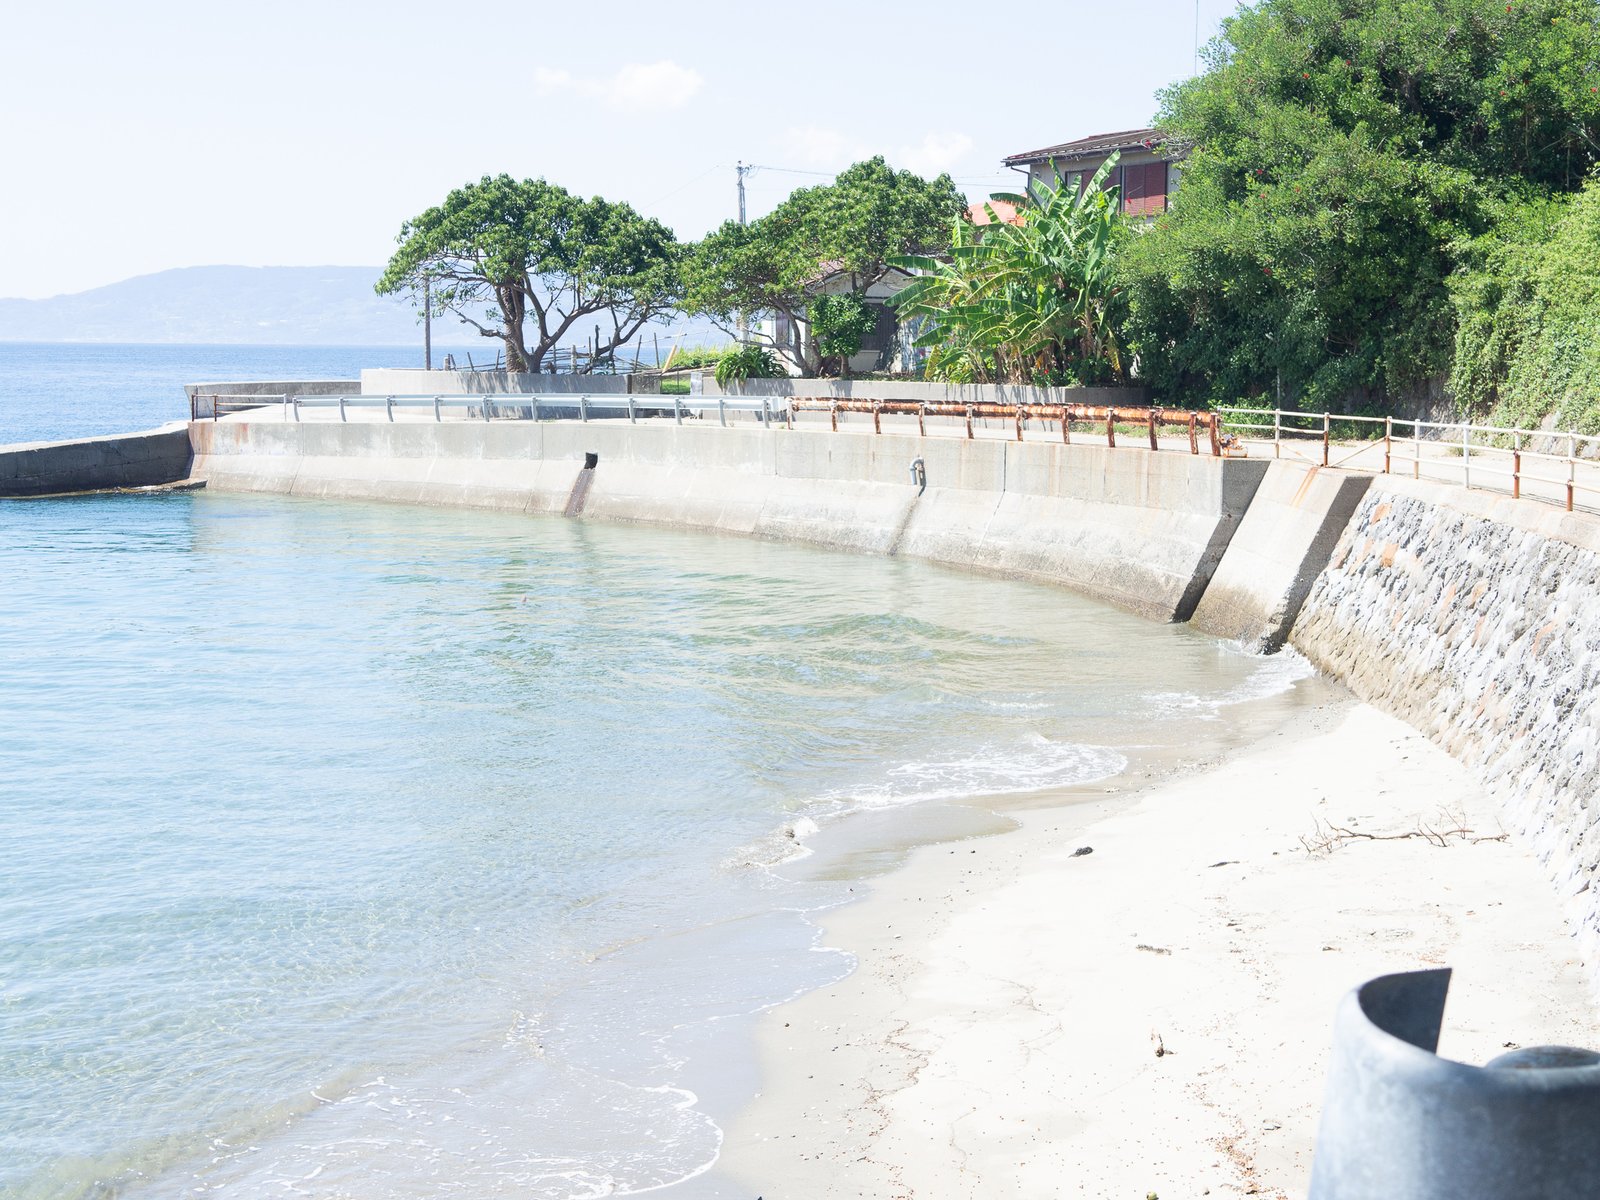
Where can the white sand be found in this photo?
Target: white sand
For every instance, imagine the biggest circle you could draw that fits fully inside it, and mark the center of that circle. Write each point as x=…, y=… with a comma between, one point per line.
x=999, y=1038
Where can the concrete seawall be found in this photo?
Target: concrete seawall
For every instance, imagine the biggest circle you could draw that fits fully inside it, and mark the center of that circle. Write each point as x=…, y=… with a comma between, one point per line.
x=1143, y=530
x=126, y=460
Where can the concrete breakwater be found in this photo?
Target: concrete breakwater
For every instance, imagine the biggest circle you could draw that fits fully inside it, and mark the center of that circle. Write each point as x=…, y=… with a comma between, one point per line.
x=129, y=460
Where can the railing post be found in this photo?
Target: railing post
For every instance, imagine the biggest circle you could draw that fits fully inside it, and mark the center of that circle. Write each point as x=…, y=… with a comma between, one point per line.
x=1572, y=466
x=341, y=409
x=488, y=408
x=535, y=398
x=1213, y=418
x=833, y=415
x=922, y=424
x=1466, y=455
x=1194, y=435
x=1154, y=419
x=766, y=414
x=1516, y=467
x=1327, y=426
x=1416, y=449
x=216, y=408
x=1388, y=440
x=877, y=420
x=969, y=422
x=285, y=407
x=1277, y=433
x=1066, y=431
x=1016, y=414
x=388, y=407
x=438, y=417
x=1111, y=427
x=677, y=411
x=583, y=406
x=297, y=408
x=722, y=410
x=788, y=412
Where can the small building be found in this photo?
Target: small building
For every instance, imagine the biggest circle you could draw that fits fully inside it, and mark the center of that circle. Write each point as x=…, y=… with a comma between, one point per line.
x=1147, y=171
x=886, y=348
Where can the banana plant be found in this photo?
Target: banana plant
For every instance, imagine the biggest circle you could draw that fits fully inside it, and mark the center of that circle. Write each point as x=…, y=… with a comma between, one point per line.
x=1028, y=301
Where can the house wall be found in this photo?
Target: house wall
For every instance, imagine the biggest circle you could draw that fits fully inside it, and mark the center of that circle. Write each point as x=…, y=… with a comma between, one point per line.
x=878, y=294
x=1141, y=194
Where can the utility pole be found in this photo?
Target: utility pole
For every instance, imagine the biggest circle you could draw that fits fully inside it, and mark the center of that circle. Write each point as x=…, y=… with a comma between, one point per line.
x=744, y=318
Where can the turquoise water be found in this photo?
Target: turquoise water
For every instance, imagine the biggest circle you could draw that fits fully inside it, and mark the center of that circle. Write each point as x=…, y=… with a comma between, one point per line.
x=359, y=850
x=364, y=851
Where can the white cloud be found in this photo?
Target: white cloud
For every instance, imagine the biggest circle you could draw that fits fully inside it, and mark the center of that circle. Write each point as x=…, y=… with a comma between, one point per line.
x=634, y=87
x=823, y=148
x=936, y=152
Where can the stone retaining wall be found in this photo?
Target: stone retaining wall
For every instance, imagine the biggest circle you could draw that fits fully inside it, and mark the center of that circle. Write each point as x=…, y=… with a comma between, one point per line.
x=1476, y=619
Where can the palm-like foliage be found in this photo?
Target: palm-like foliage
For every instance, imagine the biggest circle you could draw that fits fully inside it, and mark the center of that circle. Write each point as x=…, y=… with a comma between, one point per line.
x=1025, y=303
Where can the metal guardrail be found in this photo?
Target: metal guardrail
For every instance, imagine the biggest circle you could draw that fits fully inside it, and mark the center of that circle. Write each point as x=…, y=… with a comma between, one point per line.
x=528, y=405
x=1150, y=420
x=507, y=405
x=1457, y=443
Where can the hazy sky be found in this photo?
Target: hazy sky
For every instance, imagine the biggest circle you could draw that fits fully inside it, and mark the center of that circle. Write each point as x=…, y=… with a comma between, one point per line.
x=145, y=136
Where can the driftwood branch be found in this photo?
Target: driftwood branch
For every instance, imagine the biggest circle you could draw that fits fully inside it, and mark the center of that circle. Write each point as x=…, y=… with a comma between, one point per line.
x=1448, y=826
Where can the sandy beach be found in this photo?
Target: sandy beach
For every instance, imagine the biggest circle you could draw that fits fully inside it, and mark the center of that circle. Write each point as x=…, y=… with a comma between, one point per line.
x=1132, y=995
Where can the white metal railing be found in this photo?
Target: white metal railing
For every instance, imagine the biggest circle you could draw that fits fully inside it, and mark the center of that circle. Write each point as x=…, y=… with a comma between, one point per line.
x=1451, y=448
x=508, y=405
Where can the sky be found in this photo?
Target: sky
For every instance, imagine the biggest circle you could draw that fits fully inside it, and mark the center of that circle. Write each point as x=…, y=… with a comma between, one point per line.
x=171, y=134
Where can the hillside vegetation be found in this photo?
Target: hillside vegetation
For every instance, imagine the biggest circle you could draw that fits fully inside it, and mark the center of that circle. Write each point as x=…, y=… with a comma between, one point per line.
x=1380, y=193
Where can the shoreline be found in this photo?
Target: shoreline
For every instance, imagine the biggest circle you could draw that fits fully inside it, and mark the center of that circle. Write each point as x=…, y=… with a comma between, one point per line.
x=989, y=1043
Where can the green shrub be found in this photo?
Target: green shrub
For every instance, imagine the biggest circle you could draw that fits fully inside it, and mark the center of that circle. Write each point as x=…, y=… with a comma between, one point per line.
x=1527, y=341
x=747, y=362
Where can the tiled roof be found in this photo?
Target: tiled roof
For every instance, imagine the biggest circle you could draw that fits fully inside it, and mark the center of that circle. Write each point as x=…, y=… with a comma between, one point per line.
x=1099, y=145
x=1006, y=211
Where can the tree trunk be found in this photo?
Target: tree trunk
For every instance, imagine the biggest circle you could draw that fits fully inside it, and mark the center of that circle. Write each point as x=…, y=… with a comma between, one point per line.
x=513, y=310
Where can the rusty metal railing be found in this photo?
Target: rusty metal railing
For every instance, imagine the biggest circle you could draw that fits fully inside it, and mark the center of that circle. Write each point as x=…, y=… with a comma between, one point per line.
x=1101, y=420
x=223, y=403
x=1443, y=450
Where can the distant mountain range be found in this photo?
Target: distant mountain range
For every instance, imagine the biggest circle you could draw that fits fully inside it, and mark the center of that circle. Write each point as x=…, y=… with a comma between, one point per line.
x=303, y=306
x=252, y=306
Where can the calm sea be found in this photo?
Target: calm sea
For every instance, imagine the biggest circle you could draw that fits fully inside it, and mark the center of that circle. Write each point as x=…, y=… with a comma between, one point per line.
x=54, y=391
x=355, y=850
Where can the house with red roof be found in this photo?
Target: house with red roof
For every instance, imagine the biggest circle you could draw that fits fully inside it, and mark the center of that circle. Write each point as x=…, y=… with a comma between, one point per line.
x=1147, y=170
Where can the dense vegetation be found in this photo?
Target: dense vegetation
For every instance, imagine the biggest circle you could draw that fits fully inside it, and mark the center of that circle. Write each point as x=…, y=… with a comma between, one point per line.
x=1353, y=163
x=1378, y=198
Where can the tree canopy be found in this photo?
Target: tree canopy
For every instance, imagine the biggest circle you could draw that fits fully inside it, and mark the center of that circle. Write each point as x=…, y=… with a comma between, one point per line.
x=501, y=251
x=868, y=215
x=1343, y=152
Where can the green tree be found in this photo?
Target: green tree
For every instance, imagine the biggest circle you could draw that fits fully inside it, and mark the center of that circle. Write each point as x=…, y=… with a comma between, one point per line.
x=1342, y=151
x=868, y=215
x=1034, y=302
x=839, y=323
x=501, y=251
